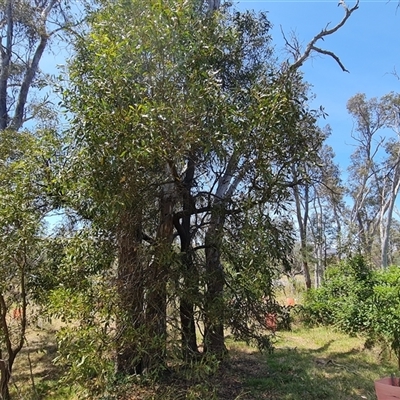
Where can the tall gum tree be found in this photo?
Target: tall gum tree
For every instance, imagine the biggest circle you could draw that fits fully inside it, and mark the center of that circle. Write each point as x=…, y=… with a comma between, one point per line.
x=26, y=30
x=374, y=170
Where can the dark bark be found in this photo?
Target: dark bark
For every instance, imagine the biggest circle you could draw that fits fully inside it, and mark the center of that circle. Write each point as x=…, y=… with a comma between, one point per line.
x=6, y=364
x=156, y=285
x=189, y=270
x=131, y=293
x=5, y=379
x=214, y=341
x=6, y=52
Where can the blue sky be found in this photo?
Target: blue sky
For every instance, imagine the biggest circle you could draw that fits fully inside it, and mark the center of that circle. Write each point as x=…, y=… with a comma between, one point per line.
x=368, y=45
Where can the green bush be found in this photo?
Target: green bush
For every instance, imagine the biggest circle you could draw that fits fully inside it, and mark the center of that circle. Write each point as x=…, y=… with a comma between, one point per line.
x=357, y=300
x=341, y=300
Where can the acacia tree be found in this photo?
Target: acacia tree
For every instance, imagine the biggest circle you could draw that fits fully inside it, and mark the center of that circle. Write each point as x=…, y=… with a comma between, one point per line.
x=186, y=115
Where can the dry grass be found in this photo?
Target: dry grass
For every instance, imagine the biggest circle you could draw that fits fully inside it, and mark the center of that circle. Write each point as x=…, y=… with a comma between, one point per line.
x=307, y=364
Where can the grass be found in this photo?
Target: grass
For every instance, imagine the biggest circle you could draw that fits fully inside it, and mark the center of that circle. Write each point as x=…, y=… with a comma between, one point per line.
x=307, y=364
x=318, y=363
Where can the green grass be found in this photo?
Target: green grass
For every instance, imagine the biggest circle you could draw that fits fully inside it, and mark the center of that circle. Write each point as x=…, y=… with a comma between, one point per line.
x=307, y=364
x=311, y=364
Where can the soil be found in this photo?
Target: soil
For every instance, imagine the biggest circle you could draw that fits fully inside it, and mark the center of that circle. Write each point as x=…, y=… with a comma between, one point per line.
x=34, y=363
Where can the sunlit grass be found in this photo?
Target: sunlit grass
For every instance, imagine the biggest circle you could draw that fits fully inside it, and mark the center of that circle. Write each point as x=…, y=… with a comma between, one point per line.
x=319, y=363
x=307, y=364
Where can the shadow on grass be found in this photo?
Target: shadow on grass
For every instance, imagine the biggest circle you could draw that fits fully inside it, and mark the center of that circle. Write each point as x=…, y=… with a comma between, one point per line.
x=306, y=365
x=311, y=374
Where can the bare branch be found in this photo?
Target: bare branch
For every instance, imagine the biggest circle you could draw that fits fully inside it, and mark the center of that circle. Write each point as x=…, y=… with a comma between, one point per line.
x=292, y=45
x=331, y=54
x=325, y=32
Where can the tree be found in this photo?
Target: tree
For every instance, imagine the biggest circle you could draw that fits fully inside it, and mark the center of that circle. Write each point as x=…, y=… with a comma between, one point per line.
x=374, y=170
x=27, y=159
x=26, y=30
x=23, y=172
x=318, y=207
x=184, y=129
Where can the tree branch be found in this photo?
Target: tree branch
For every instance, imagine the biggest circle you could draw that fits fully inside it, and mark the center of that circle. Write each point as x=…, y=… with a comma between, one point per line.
x=325, y=32
x=331, y=54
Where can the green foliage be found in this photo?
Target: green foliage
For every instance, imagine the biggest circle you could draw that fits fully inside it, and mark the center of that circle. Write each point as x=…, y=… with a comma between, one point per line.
x=25, y=172
x=159, y=90
x=87, y=355
x=342, y=298
x=256, y=249
x=384, y=310
x=85, y=341
x=72, y=261
x=357, y=300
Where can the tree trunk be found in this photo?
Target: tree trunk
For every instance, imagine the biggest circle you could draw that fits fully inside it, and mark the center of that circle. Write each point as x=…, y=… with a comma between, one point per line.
x=156, y=284
x=131, y=294
x=4, y=379
x=186, y=307
x=302, y=222
x=213, y=5
x=6, y=363
x=214, y=341
x=30, y=73
x=389, y=207
x=189, y=270
x=6, y=52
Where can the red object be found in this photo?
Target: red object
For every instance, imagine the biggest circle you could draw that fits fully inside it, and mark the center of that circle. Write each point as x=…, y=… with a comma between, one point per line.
x=385, y=390
x=290, y=302
x=271, y=321
x=17, y=313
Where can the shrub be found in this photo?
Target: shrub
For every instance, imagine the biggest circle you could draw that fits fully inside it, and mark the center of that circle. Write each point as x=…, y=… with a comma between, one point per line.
x=341, y=299
x=357, y=300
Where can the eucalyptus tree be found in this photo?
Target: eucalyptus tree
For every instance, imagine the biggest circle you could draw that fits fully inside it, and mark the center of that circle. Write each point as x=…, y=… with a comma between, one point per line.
x=183, y=133
x=23, y=205
x=326, y=215
x=318, y=203
x=374, y=170
x=26, y=31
